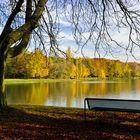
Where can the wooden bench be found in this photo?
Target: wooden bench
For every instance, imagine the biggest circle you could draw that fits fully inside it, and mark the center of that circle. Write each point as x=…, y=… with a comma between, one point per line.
x=103, y=104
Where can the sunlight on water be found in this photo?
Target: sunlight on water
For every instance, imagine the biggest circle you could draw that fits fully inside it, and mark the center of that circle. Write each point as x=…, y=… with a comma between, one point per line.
x=70, y=94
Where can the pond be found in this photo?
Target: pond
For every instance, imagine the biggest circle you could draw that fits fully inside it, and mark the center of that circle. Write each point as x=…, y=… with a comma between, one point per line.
x=70, y=93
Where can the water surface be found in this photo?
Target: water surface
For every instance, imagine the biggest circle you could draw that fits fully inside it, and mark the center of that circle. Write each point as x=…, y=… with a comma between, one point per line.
x=70, y=93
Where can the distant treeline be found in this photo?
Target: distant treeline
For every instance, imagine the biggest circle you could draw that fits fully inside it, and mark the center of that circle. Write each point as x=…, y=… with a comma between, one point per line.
x=37, y=65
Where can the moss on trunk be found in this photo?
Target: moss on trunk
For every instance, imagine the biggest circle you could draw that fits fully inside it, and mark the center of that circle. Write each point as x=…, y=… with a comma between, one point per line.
x=3, y=101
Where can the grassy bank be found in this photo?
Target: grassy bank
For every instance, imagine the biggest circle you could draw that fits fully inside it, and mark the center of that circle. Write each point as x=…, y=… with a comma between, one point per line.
x=58, y=123
x=15, y=81
x=12, y=81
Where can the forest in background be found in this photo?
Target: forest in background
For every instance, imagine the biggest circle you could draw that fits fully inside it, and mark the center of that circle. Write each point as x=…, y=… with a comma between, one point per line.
x=37, y=65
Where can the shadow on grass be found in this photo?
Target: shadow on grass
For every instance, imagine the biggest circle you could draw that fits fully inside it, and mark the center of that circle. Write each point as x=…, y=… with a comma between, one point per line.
x=37, y=122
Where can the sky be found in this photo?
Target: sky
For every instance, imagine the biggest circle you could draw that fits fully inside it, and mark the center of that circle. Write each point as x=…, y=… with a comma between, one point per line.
x=119, y=54
x=88, y=51
x=121, y=36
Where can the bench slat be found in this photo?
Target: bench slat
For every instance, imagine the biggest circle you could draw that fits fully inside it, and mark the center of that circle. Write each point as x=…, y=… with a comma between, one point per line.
x=120, y=105
x=116, y=104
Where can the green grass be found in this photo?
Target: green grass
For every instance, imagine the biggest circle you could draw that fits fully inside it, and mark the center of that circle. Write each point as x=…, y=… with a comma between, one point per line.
x=12, y=81
x=20, y=81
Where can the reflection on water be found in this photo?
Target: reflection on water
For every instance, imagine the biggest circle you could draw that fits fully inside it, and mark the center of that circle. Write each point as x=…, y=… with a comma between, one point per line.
x=70, y=94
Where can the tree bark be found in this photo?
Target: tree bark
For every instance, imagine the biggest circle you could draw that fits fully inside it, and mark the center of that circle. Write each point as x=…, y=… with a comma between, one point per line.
x=9, y=37
x=3, y=100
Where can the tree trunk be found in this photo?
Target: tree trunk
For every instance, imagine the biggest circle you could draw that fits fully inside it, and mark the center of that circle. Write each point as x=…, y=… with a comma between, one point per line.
x=9, y=37
x=3, y=101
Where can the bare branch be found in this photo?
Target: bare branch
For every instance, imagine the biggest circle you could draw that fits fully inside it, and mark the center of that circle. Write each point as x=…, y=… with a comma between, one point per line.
x=7, y=27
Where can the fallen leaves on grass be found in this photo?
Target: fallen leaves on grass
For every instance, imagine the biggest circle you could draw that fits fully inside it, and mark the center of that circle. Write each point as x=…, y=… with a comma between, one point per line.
x=39, y=122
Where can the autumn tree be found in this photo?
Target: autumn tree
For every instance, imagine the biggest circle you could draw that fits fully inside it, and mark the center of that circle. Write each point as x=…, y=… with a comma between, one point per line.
x=26, y=65
x=135, y=69
x=36, y=65
x=118, y=71
x=127, y=70
x=59, y=69
x=110, y=68
x=73, y=72
x=72, y=69
x=14, y=40
x=69, y=55
x=81, y=70
x=19, y=65
x=90, y=66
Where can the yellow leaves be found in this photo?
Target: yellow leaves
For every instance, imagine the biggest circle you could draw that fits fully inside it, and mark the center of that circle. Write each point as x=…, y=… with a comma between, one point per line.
x=102, y=74
x=73, y=72
x=83, y=71
x=69, y=55
x=37, y=65
x=32, y=64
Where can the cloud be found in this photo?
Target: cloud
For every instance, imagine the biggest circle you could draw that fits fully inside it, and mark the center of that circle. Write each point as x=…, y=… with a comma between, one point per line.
x=64, y=23
x=88, y=51
x=1, y=28
x=121, y=37
x=67, y=36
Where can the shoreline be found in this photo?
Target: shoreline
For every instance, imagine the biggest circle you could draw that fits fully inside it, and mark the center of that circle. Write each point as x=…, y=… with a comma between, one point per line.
x=20, y=81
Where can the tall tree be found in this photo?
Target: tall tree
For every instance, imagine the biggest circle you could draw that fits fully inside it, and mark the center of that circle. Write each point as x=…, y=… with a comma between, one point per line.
x=14, y=41
x=118, y=71
x=37, y=69
x=26, y=65
x=69, y=55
